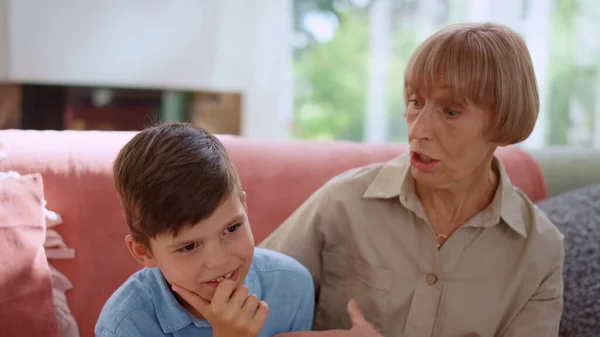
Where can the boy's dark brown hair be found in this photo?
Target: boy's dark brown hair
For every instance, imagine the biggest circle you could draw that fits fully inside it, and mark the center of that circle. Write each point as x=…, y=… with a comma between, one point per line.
x=171, y=176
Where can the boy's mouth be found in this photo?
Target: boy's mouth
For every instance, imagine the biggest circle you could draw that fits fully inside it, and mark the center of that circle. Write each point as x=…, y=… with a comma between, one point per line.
x=232, y=275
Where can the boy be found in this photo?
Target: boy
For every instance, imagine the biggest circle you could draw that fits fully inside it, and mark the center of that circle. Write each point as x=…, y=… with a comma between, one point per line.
x=186, y=212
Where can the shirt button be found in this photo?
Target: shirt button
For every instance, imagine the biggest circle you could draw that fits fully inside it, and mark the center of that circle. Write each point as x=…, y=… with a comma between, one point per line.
x=432, y=279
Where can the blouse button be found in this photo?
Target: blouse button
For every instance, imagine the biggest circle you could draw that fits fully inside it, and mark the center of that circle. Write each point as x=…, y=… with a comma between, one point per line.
x=432, y=279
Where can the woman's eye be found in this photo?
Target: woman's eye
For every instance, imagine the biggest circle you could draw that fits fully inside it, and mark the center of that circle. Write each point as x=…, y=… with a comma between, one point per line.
x=452, y=113
x=231, y=229
x=415, y=103
x=189, y=247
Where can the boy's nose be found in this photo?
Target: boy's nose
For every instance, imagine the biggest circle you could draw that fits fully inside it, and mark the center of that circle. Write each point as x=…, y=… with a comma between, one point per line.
x=216, y=257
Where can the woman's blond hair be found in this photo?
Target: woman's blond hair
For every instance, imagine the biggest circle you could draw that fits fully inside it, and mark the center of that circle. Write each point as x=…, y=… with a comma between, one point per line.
x=485, y=64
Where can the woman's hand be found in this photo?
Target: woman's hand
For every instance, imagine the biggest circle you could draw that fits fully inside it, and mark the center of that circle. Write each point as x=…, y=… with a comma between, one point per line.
x=360, y=327
x=231, y=312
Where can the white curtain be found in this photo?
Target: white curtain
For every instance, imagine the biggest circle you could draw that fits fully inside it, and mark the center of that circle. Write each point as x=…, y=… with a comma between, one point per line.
x=534, y=24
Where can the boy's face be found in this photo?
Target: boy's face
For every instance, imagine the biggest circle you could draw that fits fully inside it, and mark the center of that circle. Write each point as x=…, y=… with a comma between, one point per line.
x=201, y=256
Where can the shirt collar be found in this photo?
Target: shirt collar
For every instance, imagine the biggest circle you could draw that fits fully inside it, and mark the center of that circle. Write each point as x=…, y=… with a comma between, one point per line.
x=171, y=315
x=395, y=181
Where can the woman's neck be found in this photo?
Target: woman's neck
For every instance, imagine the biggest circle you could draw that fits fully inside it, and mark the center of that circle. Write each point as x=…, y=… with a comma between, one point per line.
x=449, y=208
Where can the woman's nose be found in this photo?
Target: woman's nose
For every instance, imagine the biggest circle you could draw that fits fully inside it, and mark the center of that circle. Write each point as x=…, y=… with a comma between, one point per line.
x=420, y=127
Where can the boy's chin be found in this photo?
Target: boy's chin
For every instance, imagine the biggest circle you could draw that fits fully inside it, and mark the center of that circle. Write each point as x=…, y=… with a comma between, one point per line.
x=190, y=308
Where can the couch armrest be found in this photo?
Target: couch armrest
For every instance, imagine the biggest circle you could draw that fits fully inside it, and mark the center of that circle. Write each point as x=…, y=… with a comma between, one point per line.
x=568, y=168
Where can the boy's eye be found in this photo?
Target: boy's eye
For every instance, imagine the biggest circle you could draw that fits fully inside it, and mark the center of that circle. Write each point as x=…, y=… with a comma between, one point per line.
x=189, y=247
x=231, y=229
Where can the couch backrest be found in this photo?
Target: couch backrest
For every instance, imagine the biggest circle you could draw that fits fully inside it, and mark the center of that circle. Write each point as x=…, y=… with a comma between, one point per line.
x=277, y=176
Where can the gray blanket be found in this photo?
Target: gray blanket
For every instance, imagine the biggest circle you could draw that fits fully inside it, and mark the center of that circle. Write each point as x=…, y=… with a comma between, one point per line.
x=577, y=216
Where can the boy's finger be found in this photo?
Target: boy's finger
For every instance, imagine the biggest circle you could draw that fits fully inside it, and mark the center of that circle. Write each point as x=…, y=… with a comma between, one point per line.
x=223, y=293
x=261, y=316
x=251, y=305
x=194, y=300
x=239, y=296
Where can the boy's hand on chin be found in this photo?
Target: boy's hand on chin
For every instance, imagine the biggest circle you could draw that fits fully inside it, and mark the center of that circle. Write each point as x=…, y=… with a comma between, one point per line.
x=232, y=312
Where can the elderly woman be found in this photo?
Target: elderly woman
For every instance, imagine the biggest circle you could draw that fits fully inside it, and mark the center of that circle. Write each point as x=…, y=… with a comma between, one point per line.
x=438, y=242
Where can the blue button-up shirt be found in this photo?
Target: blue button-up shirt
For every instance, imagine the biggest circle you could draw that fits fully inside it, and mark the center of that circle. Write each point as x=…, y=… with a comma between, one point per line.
x=145, y=306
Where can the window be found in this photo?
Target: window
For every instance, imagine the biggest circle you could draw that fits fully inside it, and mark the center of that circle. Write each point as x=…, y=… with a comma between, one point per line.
x=349, y=58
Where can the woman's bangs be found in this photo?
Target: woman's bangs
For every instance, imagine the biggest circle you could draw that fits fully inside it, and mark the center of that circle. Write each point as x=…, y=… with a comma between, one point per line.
x=454, y=65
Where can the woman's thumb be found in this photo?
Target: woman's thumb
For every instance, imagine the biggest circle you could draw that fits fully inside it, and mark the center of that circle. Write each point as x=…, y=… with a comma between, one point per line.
x=358, y=319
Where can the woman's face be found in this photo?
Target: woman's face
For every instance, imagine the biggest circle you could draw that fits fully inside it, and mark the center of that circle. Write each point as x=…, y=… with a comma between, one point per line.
x=447, y=138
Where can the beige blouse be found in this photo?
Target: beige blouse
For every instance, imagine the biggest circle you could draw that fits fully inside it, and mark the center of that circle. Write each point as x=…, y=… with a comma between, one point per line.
x=365, y=235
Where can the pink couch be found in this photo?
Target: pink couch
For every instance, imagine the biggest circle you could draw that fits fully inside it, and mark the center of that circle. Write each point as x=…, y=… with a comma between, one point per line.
x=76, y=168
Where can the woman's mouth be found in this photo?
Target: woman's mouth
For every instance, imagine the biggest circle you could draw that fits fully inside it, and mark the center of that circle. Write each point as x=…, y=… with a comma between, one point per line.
x=422, y=161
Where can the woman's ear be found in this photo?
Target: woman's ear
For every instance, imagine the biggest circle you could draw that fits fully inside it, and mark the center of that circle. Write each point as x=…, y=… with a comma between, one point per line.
x=140, y=252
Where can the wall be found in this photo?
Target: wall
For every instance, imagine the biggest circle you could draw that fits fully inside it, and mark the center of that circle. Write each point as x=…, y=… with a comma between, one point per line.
x=225, y=45
x=3, y=40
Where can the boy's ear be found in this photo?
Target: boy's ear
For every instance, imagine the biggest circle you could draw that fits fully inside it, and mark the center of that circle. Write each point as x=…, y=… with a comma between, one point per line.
x=140, y=253
x=243, y=197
